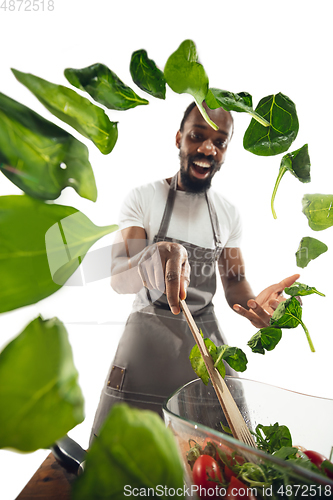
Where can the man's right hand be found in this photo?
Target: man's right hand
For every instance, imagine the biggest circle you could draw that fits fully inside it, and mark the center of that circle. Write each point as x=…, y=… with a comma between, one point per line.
x=164, y=266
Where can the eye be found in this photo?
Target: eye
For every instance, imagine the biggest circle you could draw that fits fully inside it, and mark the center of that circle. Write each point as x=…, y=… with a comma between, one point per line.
x=221, y=144
x=195, y=136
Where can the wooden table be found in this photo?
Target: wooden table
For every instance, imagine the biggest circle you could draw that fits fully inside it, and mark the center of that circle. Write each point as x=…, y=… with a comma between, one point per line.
x=50, y=482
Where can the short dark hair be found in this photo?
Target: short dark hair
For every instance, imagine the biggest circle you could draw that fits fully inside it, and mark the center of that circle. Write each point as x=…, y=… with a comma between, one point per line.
x=188, y=111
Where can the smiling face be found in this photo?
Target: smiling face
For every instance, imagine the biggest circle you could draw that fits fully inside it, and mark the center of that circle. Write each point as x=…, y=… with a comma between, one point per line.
x=202, y=149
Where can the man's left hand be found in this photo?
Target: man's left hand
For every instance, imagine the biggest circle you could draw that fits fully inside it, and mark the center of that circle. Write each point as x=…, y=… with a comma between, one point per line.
x=263, y=306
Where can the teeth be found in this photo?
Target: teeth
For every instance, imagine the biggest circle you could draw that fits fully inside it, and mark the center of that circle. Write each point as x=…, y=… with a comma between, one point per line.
x=202, y=164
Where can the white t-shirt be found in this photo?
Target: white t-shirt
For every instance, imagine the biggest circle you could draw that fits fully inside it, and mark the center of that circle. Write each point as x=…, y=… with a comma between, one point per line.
x=190, y=220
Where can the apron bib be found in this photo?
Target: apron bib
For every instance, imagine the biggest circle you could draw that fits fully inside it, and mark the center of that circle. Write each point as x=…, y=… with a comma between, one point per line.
x=152, y=359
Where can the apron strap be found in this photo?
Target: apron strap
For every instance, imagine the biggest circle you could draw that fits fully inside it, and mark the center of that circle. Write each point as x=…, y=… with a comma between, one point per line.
x=162, y=232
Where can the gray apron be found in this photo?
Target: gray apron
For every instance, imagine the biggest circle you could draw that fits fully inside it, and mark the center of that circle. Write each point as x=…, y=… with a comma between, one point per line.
x=152, y=359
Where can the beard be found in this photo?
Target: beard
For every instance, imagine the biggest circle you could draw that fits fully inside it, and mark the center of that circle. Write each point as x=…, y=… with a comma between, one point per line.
x=192, y=184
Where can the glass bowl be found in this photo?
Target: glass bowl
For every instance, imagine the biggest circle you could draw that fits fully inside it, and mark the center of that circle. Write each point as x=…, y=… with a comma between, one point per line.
x=194, y=415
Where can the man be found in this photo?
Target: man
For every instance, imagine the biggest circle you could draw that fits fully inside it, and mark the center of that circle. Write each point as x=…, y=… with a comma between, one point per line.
x=173, y=233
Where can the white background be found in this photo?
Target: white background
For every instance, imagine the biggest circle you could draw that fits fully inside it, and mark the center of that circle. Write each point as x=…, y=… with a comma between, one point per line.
x=258, y=47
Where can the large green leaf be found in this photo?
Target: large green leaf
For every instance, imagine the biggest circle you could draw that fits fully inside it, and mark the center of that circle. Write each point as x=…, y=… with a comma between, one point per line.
x=318, y=208
x=134, y=452
x=41, y=245
x=104, y=86
x=184, y=74
x=265, y=339
x=298, y=164
x=309, y=249
x=241, y=103
x=300, y=289
x=281, y=114
x=39, y=157
x=67, y=105
x=40, y=399
x=146, y=75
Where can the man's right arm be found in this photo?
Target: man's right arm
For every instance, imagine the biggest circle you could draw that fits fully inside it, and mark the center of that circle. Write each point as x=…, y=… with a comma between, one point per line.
x=162, y=266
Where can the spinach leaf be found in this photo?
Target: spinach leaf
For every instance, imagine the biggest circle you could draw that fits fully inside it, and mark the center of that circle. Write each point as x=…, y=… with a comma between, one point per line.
x=88, y=119
x=234, y=356
x=301, y=290
x=288, y=314
x=133, y=450
x=265, y=339
x=39, y=157
x=281, y=114
x=318, y=210
x=198, y=363
x=309, y=249
x=298, y=164
x=41, y=246
x=39, y=396
x=271, y=438
x=104, y=86
x=286, y=452
x=184, y=74
x=146, y=75
x=241, y=102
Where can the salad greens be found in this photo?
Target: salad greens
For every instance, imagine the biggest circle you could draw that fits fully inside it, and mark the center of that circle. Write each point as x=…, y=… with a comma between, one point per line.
x=299, y=289
x=104, y=86
x=40, y=398
x=271, y=438
x=67, y=105
x=281, y=114
x=265, y=339
x=288, y=314
x=146, y=75
x=184, y=74
x=234, y=356
x=298, y=164
x=133, y=450
x=39, y=157
x=309, y=249
x=318, y=210
x=47, y=246
x=241, y=102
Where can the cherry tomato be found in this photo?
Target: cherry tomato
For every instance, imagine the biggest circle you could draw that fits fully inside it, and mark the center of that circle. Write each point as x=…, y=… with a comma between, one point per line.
x=206, y=474
x=238, y=490
x=317, y=459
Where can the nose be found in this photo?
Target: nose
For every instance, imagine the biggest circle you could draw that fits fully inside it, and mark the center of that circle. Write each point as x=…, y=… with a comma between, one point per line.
x=207, y=148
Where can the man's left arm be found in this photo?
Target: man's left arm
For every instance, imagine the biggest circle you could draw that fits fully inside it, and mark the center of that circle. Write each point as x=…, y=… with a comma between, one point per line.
x=239, y=294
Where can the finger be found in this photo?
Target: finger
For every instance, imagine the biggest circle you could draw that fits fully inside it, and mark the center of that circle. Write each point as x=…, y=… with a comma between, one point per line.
x=288, y=282
x=259, y=311
x=173, y=272
x=274, y=303
x=250, y=315
x=184, y=280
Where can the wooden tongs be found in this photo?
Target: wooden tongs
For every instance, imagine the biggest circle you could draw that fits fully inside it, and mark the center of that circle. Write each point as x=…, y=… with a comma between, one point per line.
x=234, y=418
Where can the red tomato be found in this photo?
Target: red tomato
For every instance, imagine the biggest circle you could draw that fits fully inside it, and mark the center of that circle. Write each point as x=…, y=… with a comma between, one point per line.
x=317, y=459
x=206, y=474
x=228, y=473
x=238, y=490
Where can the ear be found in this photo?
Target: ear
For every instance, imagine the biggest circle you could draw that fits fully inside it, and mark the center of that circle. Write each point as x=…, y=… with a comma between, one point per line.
x=178, y=138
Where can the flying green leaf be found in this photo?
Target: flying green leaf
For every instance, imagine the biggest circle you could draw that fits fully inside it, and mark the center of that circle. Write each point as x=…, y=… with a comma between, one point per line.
x=41, y=245
x=40, y=399
x=146, y=75
x=134, y=452
x=299, y=289
x=298, y=164
x=288, y=314
x=309, y=249
x=67, y=105
x=265, y=339
x=104, y=86
x=234, y=356
x=318, y=208
x=39, y=157
x=185, y=75
x=241, y=103
x=198, y=363
x=281, y=114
